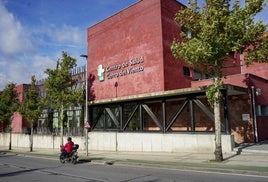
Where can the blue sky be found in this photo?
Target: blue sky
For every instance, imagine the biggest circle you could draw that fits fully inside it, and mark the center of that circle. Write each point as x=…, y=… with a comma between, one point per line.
x=33, y=33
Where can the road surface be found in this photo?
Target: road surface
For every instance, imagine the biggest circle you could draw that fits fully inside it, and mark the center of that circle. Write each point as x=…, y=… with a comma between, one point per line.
x=33, y=169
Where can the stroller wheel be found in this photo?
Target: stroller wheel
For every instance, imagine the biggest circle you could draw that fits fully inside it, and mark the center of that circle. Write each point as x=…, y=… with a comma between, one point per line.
x=62, y=159
x=74, y=159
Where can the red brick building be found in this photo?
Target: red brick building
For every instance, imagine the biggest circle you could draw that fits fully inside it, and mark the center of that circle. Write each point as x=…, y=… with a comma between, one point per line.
x=133, y=46
x=18, y=123
x=136, y=80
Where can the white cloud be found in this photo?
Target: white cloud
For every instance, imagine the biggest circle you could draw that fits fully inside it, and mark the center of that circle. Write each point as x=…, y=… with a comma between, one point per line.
x=20, y=71
x=3, y=80
x=67, y=34
x=17, y=72
x=16, y=47
x=13, y=37
x=40, y=64
x=15, y=44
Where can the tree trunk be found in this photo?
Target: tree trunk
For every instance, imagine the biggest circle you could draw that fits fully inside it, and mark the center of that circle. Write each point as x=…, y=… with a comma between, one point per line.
x=10, y=138
x=61, y=131
x=31, y=140
x=217, y=118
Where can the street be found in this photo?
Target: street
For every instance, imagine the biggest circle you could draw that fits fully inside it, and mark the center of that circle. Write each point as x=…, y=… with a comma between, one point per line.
x=32, y=169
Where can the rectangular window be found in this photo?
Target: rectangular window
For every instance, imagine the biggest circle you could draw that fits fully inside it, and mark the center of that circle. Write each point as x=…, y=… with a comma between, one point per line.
x=261, y=110
x=197, y=76
x=186, y=71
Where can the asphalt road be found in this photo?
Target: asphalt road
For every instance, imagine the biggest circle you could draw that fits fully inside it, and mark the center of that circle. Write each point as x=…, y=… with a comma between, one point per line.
x=32, y=169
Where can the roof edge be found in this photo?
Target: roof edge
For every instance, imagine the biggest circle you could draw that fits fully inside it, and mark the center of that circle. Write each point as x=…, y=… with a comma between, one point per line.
x=232, y=90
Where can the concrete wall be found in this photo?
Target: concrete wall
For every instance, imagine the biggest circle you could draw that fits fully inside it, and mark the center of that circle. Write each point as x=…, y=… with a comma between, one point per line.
x=39, y=141
x=135, y=142
x=155, y=142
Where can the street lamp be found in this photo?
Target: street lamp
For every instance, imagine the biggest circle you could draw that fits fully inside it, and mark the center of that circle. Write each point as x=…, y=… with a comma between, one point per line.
x=253, y=103
x=86, y=115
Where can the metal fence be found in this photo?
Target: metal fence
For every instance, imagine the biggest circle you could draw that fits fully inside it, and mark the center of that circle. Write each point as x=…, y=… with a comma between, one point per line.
x=75, y=131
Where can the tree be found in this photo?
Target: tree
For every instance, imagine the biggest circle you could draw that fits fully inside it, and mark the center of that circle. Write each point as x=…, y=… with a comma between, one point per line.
x=8, y=105
x=210, y=33
x=31, y=108
x=61, y=88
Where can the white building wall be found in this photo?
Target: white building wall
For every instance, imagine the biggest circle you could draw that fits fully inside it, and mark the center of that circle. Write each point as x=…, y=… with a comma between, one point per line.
x=155, y=142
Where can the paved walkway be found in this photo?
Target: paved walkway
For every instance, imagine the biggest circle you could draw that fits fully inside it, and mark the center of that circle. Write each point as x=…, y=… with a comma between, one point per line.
x=244, y=155
x=246, y=158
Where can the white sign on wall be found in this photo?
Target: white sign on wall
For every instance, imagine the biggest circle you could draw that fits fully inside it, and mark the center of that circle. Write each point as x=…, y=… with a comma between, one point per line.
x=245, y=117
x=131, y=66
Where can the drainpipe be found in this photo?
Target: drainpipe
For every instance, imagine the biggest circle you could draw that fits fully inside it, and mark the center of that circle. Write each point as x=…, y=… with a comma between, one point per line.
x=255, y=127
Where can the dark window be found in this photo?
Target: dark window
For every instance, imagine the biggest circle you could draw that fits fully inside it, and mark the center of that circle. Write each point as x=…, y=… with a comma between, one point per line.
x=261, y=110
x=186, y=71
x=197, y=75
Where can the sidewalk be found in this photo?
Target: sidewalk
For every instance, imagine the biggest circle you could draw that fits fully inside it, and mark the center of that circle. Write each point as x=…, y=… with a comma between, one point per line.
x=246, y=159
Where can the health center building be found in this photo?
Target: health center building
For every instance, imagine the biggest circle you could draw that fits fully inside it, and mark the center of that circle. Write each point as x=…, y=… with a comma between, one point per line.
x=143, y=99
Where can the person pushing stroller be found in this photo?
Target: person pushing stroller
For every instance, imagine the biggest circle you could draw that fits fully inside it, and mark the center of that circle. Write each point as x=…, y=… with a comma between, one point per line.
x=68, y=147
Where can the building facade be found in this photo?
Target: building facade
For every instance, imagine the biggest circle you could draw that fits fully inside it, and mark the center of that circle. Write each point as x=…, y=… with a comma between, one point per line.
x=137, y=85
x=137, y=88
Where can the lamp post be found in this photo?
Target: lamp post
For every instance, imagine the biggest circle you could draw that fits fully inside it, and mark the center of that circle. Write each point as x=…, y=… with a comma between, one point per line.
x=253, y=103
x=86, y=115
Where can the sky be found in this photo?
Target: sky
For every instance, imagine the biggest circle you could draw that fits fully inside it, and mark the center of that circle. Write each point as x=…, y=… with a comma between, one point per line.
x=33, y=33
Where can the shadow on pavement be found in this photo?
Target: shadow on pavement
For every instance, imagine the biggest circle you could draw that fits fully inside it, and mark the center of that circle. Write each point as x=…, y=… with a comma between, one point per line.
x=15, y=173
x=18, y=172
x=85, y=160
x=81, y=161
x=232, y=156
x=5, y=154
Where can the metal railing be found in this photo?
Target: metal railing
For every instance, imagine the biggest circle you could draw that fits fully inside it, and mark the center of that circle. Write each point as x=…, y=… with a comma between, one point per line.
x=75, y=131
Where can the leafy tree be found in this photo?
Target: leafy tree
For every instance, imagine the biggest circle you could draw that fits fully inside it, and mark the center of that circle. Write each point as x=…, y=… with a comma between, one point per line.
x=31, y=107
x=61, y=88
x=8, y=105
x=65, y=119
x=82, y=117
x=211, y=32
x=49, y=120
